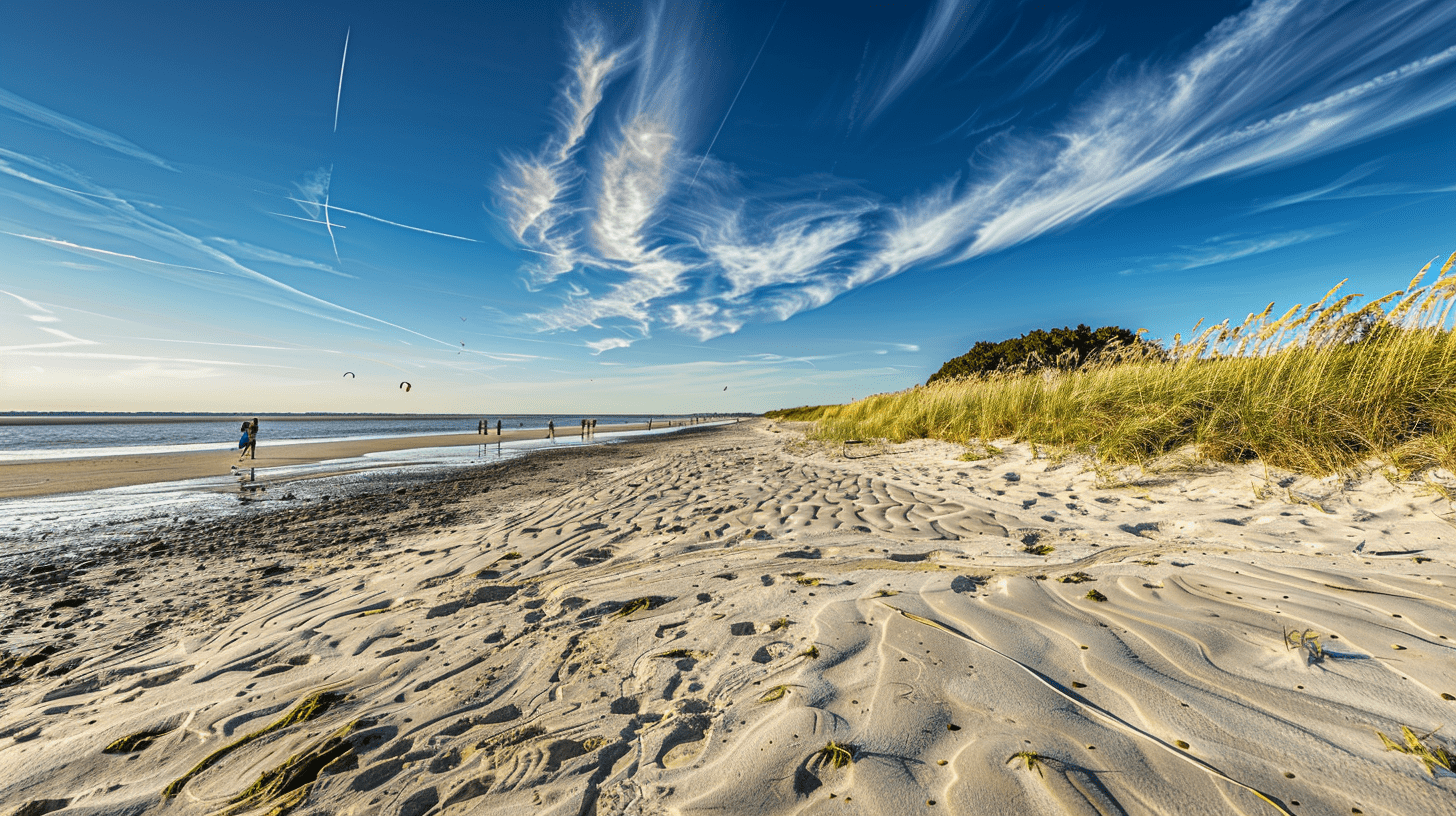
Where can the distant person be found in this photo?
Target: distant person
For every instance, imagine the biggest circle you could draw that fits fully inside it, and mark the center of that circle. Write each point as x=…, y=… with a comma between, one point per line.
x=250, y=450
x=497, y=427
x=551, y=429
x=479, y=426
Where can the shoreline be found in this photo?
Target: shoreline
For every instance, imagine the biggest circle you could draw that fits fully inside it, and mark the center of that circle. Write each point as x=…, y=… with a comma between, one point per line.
x=48, y=477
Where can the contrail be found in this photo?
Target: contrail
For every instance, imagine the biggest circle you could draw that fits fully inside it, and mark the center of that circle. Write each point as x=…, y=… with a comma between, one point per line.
x=340, y=95
x=383, y=220
x=735, y=96
x=69, y=245
x=300, y=218
x=327, y=225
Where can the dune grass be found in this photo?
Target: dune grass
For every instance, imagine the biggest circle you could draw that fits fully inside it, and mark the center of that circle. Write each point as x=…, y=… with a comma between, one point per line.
x=1318, y=390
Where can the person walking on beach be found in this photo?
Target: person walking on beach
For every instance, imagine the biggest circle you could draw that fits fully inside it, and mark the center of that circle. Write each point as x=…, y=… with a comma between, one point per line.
x=250, y=450
x=550, y=429
x=497, y=427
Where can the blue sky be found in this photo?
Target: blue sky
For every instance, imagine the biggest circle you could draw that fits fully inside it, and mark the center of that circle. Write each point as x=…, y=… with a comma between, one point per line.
x=621, y=207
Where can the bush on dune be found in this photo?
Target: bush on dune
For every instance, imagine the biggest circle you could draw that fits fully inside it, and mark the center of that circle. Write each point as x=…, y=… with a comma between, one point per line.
x=1063, y=348
x=1317, y=390
x=805, y=413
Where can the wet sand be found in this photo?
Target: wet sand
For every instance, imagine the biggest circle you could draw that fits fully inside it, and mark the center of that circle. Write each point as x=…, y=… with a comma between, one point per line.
x=733, y=620
x=47, y=477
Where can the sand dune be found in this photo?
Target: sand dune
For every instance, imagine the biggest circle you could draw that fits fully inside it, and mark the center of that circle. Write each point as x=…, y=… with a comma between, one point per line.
x=685, y=625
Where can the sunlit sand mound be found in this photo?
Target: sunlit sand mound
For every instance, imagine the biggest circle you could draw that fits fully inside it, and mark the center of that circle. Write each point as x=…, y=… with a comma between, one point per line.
x=736, y=622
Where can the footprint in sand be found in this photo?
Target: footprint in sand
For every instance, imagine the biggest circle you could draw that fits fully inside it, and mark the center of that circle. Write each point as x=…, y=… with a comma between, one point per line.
x=684, y=744
x=771, y=652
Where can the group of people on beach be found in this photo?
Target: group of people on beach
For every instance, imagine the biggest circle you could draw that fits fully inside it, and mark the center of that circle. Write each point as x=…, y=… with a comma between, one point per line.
x=483, y=427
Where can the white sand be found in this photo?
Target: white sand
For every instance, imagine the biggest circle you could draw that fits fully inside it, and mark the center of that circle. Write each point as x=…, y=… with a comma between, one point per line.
x=484, y=671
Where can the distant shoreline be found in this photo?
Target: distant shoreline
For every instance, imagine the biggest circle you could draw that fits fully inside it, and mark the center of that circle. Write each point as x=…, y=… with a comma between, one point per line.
x=141, y=418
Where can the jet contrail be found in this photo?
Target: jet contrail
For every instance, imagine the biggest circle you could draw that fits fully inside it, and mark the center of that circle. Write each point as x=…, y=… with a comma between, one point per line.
x=301, y=218
x=382, y=220
x=340, y=95
x=735, y=96
x=327, y=225
x=69, y=245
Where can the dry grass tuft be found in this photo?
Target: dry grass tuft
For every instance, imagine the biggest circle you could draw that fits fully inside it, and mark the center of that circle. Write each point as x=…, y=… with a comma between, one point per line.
x=1032, y=759
x=812, y=652
x=1309, y=641
x=1423, y=747
x=1094, y=595
x=836, y=754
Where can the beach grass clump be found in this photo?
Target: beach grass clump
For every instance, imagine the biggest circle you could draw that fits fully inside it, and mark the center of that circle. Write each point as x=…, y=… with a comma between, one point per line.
x=679, y=653
x=1307, y=640
x=1319, y=389
x=309, y=708
x=780, y=624
x=1039, y=549
x=836, y=754
x=1423, y=747
x=1031, y=759
x=1076, y=578
x=812, y=652
x=1094, y=595
x=804, y=413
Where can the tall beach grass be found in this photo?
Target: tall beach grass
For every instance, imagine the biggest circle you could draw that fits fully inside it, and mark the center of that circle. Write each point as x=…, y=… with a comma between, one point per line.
x=1318, y=389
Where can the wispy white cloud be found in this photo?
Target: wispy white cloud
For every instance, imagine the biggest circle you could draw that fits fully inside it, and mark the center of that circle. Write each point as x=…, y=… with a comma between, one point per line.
x=1224, y=248
x=633, y=248
x=1345, y=188
x=946, y=27
x=243, y=249
x=148, y=372
x=1275, y=84
x=29, y=304
x=41, y=115
x=607, y=343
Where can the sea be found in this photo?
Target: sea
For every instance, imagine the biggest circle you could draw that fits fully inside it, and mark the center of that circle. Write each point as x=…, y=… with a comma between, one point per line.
x=32, y=437
x=35, y=527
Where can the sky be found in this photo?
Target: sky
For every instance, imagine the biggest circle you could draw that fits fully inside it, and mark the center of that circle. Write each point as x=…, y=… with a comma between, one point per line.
x=672, y=207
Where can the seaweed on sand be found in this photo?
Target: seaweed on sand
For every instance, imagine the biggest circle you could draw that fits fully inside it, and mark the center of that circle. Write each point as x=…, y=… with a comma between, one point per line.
x=309, y=708
x=135, y=742
x=634, y=606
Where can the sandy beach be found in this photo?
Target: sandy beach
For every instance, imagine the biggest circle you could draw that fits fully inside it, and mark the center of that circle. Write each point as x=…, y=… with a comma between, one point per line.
x=734, y=620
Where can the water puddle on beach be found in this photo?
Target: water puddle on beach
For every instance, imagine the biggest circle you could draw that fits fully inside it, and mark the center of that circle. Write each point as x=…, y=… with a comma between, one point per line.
x=34, y=525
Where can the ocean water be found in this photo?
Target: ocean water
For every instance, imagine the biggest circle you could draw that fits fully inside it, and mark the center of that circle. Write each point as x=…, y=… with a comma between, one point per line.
x=56, y=438
x=75, y=522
